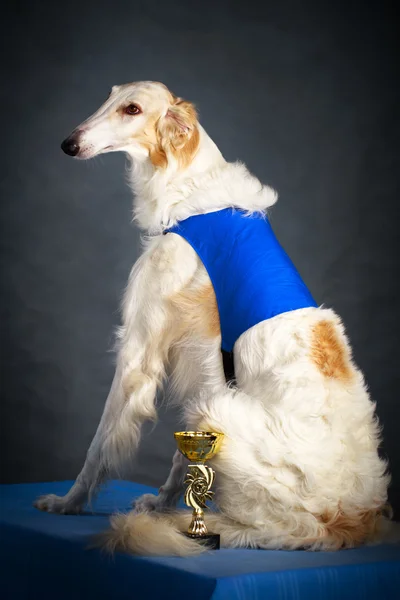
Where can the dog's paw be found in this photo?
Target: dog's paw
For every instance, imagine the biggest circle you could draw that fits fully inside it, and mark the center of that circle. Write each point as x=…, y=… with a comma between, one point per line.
x=56, y=504
x=147, y=503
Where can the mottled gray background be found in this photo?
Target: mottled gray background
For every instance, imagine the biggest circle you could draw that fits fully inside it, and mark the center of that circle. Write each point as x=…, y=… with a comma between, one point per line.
x=305, y=93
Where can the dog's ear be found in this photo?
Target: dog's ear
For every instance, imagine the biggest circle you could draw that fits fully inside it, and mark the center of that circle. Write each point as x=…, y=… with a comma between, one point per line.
x=178, y=131
x=179, y=123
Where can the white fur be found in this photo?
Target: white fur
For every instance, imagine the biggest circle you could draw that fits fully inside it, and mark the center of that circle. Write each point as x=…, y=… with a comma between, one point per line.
x=298, y=446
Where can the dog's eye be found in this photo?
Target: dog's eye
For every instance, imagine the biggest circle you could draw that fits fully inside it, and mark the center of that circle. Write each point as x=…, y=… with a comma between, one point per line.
x=132, y=109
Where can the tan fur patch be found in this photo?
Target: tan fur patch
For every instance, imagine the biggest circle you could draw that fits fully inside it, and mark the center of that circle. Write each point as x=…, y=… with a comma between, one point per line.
x=329, y=353
x=348, y=531
x=198, y=312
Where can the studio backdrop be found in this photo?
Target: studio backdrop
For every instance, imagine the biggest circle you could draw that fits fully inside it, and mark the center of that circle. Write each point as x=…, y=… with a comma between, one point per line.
x=306, y=94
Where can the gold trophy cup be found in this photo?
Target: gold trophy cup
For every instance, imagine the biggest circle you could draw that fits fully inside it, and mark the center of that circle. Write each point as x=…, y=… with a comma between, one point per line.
x=197, y=447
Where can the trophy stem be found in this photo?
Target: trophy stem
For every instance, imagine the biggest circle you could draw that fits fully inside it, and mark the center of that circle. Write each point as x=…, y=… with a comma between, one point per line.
x=199, y=479
x=197, y=527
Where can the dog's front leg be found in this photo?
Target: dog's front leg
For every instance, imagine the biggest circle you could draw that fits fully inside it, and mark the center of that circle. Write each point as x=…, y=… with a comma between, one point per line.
x=149, y=329
x=129, y=403
x=93, y=471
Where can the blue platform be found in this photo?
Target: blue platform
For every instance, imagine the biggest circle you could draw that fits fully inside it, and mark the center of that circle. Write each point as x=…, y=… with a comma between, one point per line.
x=44, y=557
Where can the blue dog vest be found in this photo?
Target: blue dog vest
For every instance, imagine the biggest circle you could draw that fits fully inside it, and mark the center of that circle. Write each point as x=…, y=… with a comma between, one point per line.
x=253, y=277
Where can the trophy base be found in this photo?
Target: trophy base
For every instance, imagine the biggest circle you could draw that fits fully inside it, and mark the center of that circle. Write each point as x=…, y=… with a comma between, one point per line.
x=210, y=540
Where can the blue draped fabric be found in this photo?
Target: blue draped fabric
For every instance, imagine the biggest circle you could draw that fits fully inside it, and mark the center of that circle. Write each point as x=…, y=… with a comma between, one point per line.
x=45, y=556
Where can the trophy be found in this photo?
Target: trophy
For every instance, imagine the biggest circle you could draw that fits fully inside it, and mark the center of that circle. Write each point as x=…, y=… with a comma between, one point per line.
x=197, y=447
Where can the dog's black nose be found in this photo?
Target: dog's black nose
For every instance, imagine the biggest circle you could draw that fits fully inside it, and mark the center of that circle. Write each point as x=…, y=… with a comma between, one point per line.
x=70, y=146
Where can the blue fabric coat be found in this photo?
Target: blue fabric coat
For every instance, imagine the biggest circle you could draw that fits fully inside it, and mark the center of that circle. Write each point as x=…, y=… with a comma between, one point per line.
x=253, y=277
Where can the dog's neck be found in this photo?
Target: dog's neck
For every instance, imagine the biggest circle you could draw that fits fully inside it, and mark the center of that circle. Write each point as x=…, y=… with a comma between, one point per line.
x=165, y=196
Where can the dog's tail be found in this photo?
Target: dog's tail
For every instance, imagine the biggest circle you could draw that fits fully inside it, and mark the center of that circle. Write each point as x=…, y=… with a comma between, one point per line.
x=149, y=534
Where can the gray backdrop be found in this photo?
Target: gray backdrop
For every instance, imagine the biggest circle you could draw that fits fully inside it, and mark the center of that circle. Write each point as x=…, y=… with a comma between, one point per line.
x=305, y=94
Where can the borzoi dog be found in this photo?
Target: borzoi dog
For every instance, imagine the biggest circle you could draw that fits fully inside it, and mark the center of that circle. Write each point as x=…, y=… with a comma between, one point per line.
x=299, y=466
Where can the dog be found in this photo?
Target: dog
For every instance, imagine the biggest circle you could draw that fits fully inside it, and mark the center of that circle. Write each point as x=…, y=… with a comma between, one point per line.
x=299, y=466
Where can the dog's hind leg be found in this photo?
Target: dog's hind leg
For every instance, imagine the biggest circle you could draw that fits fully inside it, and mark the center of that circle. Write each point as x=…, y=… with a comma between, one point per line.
x=169, y=493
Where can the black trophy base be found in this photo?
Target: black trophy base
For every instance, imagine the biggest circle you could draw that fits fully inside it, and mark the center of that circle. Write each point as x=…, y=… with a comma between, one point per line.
x=210, y=540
